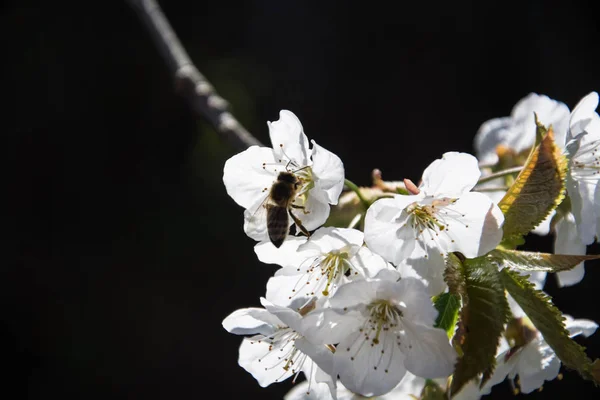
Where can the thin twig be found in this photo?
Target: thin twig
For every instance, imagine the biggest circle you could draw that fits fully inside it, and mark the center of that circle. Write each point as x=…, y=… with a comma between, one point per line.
x=499, y=174
x=492, y=189
x=189, y=82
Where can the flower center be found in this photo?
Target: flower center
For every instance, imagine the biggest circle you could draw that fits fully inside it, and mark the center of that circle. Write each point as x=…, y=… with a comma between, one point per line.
x=306, y=178
x=383, y=317
x=324, y=273
x=432, y=216
x=281, y=351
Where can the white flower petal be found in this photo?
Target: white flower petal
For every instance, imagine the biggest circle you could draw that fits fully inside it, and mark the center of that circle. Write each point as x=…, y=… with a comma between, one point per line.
x=287, y=255
x=582, y=181
x=490, y=134
x=515, y=308
x=244, y=176
x=549, y=112
x=544, y=227
x=583, y=327
x=328, y=326
x=567, y=242
x=288, y=139
x=356, y=293
x=417, y=306
x=470, y=391
x=582, y=194
x=263, y=360
x=255, y=220
x=384, y=233
x=472, y=225
x=409, y=388
x=582, y=115
x=517, y=132
x=538, y=278
x=320, y=354
x=288, y=316
x=250, y=321
x=428, y=265
x=597, y=204
x=536, y=363
x=330, y=239
x=503, y=368
x=451, y=176
x=284, y=289
x=428, y=352
x=369, y=370
x=328, y=171
x=301, y=391
x=368, y=264
x=391, y=275
x=315, y=214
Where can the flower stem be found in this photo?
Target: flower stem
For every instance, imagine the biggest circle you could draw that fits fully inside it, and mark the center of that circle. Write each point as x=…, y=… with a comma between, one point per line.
x=499, y=174
x=356, y=190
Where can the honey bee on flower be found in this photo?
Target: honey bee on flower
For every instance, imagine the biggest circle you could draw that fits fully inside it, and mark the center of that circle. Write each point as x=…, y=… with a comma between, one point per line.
x=284, y=185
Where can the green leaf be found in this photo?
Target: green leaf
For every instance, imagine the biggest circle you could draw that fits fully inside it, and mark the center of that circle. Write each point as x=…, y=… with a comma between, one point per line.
x=537, y=190
x=550, y=322
x=540, y=130
x=454, y=274
x=481, y=322
x=532, y=261
x=448, y=305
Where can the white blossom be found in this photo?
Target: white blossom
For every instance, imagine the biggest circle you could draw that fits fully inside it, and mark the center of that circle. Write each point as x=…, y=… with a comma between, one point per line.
x=517, y=132
x=567, y=241
x=249, y=176
x=409, y=388
x=318, y=266
x=512, y=137
x=271, y=354
x=528, y=355
x=444, y=216
x=382, y=328
x=583, y=147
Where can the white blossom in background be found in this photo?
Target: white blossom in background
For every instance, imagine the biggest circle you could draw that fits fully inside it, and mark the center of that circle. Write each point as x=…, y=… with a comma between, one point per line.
x=583, y=147
x=382, y=329
x=249, y=175
x=409, y=388
x=444, y=216
x=318, y=266
x=567, y=241
x=516, y=134
x=271, y=354
x=530, y=357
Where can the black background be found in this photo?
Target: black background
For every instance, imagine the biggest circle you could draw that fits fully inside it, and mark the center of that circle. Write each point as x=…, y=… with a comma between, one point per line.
x=123, y=253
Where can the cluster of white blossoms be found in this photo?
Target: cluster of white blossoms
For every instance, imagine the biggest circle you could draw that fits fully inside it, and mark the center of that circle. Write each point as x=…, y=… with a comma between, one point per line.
x=354, y=310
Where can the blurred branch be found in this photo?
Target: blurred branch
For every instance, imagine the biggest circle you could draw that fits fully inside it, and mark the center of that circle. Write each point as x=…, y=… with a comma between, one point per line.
x=500, y=174
x=189, y=82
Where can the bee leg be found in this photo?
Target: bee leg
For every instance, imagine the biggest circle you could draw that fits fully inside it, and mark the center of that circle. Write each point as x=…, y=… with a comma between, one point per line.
x=299, y=223
x=300, y=207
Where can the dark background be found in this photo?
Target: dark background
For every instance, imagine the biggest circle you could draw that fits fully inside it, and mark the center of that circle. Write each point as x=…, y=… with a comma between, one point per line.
x=123, y=252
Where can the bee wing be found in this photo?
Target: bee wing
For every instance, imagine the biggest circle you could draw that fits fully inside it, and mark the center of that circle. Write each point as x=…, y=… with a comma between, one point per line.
x=255, y=219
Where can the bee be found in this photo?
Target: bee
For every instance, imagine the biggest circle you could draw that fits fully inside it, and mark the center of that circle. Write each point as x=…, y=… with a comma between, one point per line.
x=276, y=208
x=279, y=204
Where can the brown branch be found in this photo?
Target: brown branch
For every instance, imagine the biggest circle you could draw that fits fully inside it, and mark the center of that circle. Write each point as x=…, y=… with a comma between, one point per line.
x=189, y=82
